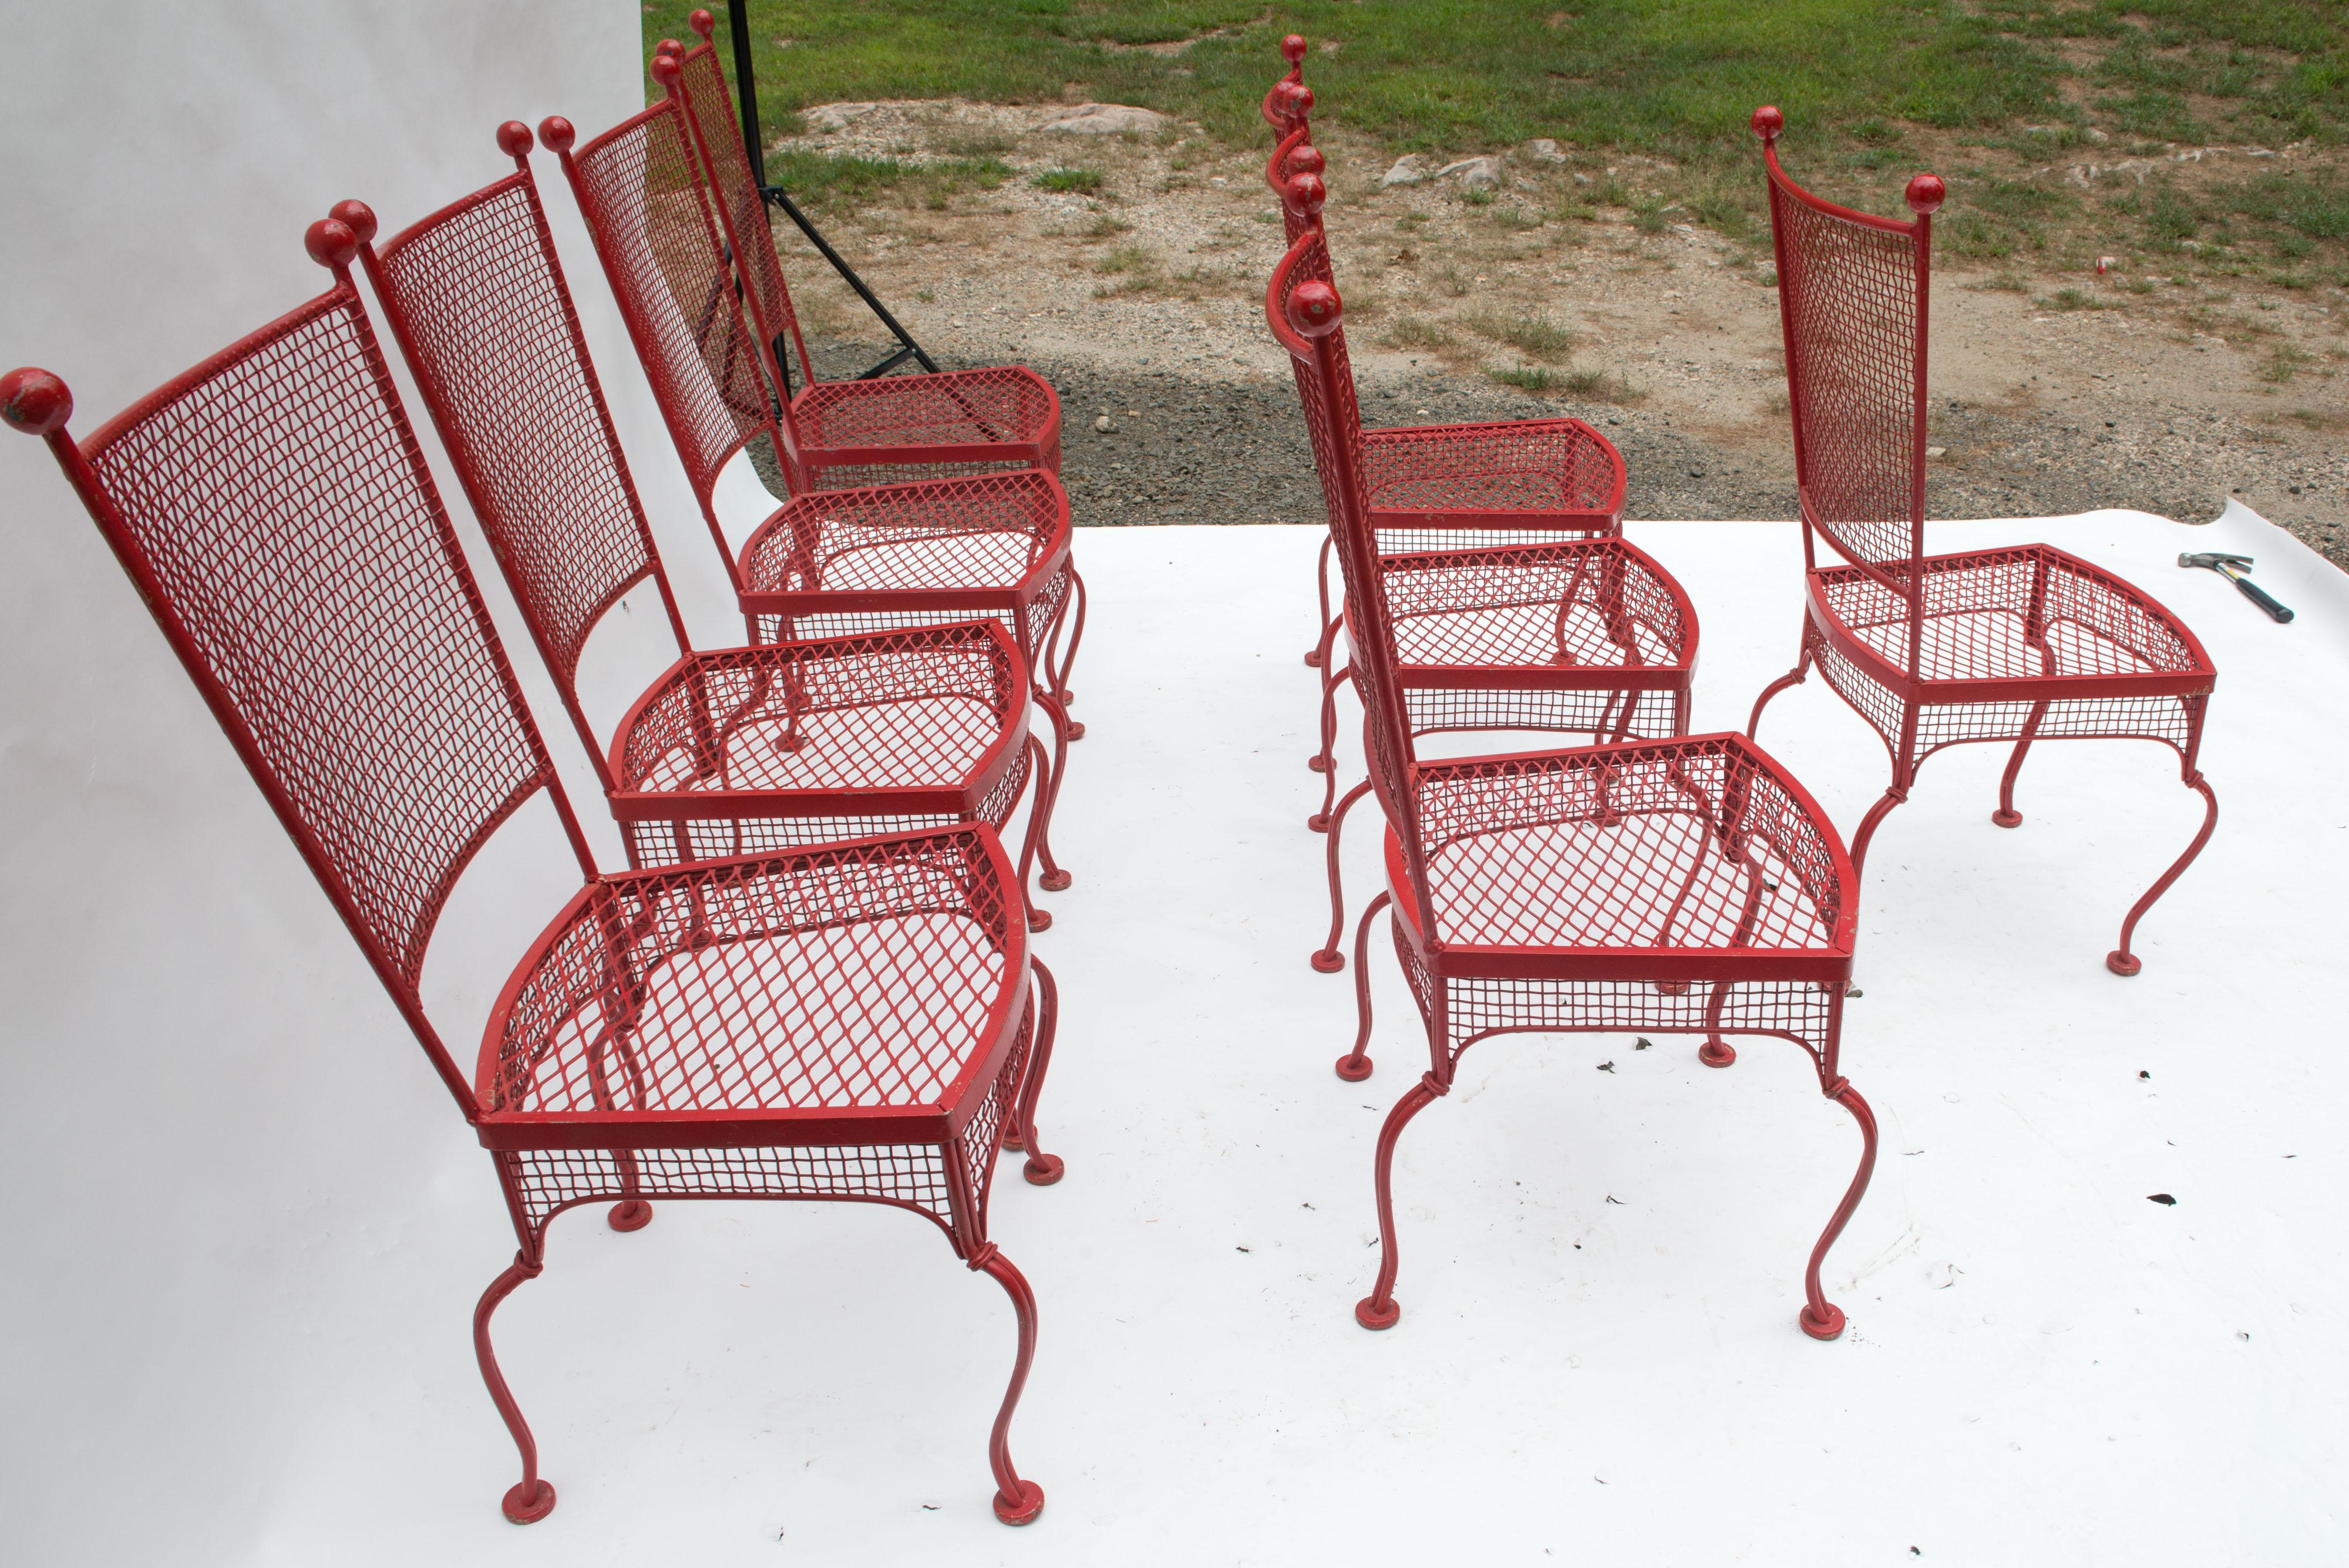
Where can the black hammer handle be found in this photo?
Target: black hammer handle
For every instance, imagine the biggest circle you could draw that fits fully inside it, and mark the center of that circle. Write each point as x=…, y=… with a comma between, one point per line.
x=2259, y=597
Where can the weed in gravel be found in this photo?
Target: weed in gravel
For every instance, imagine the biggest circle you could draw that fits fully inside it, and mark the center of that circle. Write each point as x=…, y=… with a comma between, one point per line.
x=1105, y=225
x=1648, y=214
x=2076, y=299
x=1451, y=280
x=1125, y=258
x=927, y=297
x=1598, y=387
x=1085, y=180
x=1528, y=379
x=2006, y=280
x=2284, y=361
x=977, y=144
x=1477, y=198
x=1516, y=220
x=1724, y=213
x=1533, y=338
x=1412, y=223
x=1417, y=332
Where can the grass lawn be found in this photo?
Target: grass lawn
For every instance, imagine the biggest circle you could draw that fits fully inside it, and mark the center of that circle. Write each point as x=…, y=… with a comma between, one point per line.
x=1994, y=92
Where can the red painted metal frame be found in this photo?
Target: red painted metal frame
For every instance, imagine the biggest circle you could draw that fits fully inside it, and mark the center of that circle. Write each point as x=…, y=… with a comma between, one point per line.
x=1579, y=636
x=2015, y=644
x=1500, y=482
x=728, y=752
x=844, y=1021
x=881, y=559
x=1686, y=885
x=858, y=432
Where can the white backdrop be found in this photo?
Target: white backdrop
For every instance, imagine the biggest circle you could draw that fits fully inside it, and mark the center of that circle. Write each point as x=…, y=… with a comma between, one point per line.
x=196, y=1070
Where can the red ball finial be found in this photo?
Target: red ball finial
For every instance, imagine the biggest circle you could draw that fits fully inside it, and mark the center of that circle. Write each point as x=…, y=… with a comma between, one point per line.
x=355, y=216
x=1314, y=308
x=1292, y=48
x=35, y=402
x=667, y=69
x=513, y=140
x=331, y=244
x=557, y=134
x=668, y=46
x=1305, y=195
x=1768, y=122
x=1308, y=160
x=1926, y=193
x=1300, y=100
x=703, y=23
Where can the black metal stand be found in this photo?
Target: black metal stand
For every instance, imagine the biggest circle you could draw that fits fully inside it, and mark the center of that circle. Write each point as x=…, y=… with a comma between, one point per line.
x=746, y=88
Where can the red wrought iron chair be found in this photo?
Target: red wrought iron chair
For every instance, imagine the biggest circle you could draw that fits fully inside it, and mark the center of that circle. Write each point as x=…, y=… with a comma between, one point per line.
x=1586, y=635
x=841, y=1021
x=1496, y=482
x=880, y=558
x=731, y=752
x=863, y=431
x=1687, y=885
x=2020, y=644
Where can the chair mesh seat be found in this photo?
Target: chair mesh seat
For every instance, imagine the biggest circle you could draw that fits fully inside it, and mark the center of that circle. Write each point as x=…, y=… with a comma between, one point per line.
x=1597, y=603
x=856, y=976
x=1624, y=848
x=1516, y=465
x=1978, y=612
x=948, y=407
x=985, y=534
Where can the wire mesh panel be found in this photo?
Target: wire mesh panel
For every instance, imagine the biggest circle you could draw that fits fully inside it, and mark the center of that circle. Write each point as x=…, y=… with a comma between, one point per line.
x=701, y=86
x=477, y=297
x=278, y=497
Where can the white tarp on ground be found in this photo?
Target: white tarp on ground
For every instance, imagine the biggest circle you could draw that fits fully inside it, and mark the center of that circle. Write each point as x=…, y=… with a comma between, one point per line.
x=238, y=1317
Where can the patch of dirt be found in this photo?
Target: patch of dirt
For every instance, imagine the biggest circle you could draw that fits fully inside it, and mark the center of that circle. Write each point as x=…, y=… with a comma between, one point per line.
x=1143, y=300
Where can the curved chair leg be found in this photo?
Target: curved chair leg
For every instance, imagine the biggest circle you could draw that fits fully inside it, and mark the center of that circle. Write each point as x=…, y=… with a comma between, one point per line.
x=1380, y=1309
x=1792, y=678
x=1715, y=1051
x=1329, y=959
x=1017, y=1502
x=2006, y=815
x=1054, y=879
x=1354, y=1066
x=1869, y=824
x=1320, y=650
x=1076, y=635
x=2122, y=962
x=1039, y=919
x=1821, y=1318
x=1331, y=678
x=1041, y=1170
x=530, y=1498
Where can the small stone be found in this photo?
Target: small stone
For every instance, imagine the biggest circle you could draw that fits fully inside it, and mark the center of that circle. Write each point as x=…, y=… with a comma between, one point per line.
x=835, y=115
x=1937, y=451
x=1475, y=174
x=1542, y=150
x=1104, y=424
x=1408, y=169
x=1106, y=119
x=1580, y=177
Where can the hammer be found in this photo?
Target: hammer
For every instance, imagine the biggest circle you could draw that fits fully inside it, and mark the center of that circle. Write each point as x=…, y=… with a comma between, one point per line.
x=2228, y=567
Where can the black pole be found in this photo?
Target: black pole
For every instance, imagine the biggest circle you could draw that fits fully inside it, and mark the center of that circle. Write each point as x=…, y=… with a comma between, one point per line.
x=746, y=88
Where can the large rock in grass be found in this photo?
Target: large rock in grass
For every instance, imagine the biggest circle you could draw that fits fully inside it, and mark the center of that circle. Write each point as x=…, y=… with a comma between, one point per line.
x=1409, y=170
x=828, y=117
x=1107, y=119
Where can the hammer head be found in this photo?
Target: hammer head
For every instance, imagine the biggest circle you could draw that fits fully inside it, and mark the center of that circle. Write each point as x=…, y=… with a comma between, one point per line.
x=2214, y=560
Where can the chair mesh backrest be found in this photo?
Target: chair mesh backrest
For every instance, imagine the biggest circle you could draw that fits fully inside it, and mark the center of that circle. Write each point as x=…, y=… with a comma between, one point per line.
x=702, y=86
x=277, y=496
x=477, y=299
x=1326, y=388
x=1850, y=299
x=643, y=203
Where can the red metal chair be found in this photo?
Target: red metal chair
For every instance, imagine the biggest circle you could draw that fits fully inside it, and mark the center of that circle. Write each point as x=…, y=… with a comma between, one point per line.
x=863, y=431
x=881, y=559
x=841, y=1021
x=728, y=752
x=1685, y=885
x=878, y=426
x=2021, y=644
x=1584, y=635
x=1498, y=481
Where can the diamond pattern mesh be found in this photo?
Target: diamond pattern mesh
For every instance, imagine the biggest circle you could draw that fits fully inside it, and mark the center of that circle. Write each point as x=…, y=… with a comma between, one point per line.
x=478, y=296
x=278, y=496
x=993, y=531
x=1516, y=465
x=1681, y=843
x=702, y=85
x=1596, y=603
x=639, y=194
x=1001, y=403
x=854, y=975
x=1855, y=364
